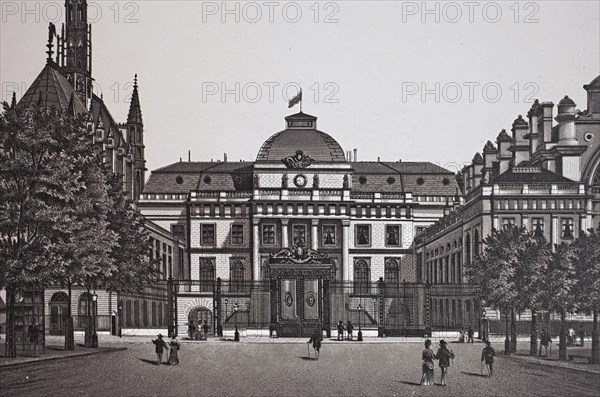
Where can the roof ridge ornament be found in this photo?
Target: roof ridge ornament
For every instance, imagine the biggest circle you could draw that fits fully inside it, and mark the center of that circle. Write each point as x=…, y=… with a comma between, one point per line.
x=299, y=160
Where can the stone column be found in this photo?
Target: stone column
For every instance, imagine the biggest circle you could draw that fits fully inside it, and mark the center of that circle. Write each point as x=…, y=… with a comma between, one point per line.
x=345, y=250
x=284, y=232
x=555, y=230
x=314, y=238
x=255, y=255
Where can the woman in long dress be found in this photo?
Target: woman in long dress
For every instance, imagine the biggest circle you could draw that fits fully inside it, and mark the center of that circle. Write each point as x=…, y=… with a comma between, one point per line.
x=428, y=357
x=175, y=346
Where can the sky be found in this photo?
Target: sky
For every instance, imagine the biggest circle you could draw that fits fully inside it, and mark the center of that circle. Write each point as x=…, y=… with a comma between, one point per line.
x=416, y=81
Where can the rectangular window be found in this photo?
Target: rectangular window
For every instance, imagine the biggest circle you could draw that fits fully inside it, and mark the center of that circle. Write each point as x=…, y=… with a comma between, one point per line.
x=299, y=234
x=268, y=234
x=328, y=235
x=508, y=222
x=537, y=226
x=392, y=235
x=178, y=231
x=207, y=234
x=237, y=234
x=566, y=229
x=363, y=235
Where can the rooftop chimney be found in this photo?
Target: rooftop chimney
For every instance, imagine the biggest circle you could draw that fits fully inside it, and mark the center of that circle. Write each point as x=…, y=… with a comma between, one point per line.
x=520, y=147
x=503, y=141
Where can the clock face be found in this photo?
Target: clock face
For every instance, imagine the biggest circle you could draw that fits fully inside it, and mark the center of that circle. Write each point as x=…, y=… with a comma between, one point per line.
x=300, y=180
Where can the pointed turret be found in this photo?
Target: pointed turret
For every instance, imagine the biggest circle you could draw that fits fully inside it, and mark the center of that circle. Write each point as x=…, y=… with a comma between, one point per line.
x=13, y=103
x=135, y=139
x=135, y=110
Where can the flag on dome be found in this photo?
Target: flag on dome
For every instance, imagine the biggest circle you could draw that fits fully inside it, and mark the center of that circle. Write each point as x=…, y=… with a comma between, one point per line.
x=295, y=99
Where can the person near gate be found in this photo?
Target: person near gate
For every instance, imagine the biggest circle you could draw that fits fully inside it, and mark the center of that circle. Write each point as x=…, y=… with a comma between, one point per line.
x=205, y=329
x=316, y=343
x=340, y=328
x=470, y=334
x=349, y=329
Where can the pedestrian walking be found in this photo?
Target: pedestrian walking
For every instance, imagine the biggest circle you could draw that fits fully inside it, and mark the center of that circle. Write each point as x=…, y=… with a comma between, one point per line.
x=33, y=333
x=581, y=334
x=160, y=346
x=487, y=356
x=175, y=347
x=349, y=329
x=544, y=341
x=205, y=329
x=444, y=355
x=191, y=329
x=316, y=343
x=428, y=356
x=470, y=334
x=340, y=328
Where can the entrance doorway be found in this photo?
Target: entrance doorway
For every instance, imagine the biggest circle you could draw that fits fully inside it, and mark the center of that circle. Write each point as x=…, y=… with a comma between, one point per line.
x=300, y=291
x=58, y=313
x=199, y=315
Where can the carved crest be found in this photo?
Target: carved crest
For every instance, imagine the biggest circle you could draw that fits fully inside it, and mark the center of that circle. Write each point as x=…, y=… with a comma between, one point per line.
x=299, y=160
x=299, y=254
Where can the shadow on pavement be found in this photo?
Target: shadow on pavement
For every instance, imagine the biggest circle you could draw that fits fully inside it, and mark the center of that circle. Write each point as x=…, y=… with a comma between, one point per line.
x=307, y=358
x=474, y=374
x=409, y=383
x=153, y=362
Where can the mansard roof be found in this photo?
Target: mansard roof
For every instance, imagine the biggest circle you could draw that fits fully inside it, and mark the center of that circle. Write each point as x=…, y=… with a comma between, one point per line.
x=52, y=86
x=530, y=174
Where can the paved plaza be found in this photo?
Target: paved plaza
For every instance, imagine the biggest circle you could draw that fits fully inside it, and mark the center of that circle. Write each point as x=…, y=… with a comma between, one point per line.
x=218, y=368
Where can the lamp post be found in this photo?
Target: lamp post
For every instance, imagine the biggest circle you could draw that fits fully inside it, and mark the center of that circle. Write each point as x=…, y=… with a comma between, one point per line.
x=236, y=336
x=94, y=338
x=506, y=341
x=120, y=318
x=375, y=310
x=360, y=338
x=248, y=307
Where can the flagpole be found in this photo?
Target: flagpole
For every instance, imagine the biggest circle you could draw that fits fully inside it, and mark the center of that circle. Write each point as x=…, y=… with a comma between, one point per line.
x=300, y=100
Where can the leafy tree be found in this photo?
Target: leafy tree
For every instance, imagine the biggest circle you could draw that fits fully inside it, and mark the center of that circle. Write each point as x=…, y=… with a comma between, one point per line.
x=506, y=273
x=557, y=292
x=38, y=182
x=587, y=285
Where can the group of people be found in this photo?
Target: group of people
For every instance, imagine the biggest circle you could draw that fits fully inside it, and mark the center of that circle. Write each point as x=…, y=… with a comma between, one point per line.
x=469, y=333
x=199, y=332
x=161, y=346
x=445, y=356
x=348, y=328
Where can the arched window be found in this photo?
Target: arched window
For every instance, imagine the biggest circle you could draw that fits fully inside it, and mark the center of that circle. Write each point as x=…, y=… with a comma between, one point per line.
x=391, y=274
x=236, y=275
x=207, y=275
x=476, y=242
x=361, y=276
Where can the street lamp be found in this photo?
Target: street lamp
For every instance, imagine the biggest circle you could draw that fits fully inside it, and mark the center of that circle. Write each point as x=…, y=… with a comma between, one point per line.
x=94, y=340
x=248, y=307
x=120, y=316
x=236, y=336
x=360, y=338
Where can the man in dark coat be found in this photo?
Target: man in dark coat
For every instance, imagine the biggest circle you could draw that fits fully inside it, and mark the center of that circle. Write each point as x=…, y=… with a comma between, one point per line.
x=349, y=329
x=470, y=335
x=487, y=356
x=205, y=329
x=444, y=355
x=340, y=330
x=160, y=346
x=316, y=343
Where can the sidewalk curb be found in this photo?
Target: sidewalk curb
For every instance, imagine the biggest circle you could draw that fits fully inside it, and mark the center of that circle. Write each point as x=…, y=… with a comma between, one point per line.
x=46, y=359
x=556, y=364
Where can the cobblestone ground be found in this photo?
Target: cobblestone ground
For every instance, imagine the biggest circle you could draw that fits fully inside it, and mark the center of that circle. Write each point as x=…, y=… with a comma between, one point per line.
x=263, y=369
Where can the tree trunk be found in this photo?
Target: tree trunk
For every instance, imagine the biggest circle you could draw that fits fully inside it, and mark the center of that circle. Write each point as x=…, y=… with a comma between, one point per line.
x=88, y=322
x=10, y=345
x=69, y=331
x=595, y=341
x=534, y=334
x=513, y=331
x=562, y=339
x=506, y=341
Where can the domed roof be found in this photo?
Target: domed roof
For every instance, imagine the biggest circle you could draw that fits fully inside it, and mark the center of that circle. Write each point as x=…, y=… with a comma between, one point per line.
x=566, y=101
x=301, y=135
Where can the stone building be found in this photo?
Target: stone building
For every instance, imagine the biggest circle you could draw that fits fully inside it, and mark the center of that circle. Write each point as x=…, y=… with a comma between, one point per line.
x=265, y=227
x=544, y=176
